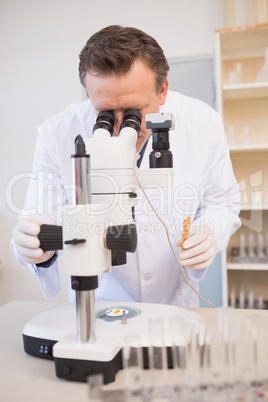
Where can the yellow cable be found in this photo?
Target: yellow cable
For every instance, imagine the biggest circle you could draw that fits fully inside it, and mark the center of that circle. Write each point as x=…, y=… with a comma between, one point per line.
x=161, y=220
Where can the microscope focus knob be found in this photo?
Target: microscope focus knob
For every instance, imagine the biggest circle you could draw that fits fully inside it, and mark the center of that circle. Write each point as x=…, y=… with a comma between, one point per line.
x=121, y=238
x=50, y=237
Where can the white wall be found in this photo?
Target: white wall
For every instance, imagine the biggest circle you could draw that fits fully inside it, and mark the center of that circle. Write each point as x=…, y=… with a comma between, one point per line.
x=40, y=41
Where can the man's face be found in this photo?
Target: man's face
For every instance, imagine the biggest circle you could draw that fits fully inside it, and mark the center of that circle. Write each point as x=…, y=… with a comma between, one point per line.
x=135, y=90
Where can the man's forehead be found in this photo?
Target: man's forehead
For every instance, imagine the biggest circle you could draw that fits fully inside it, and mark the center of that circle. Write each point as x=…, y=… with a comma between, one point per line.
x=109, y=96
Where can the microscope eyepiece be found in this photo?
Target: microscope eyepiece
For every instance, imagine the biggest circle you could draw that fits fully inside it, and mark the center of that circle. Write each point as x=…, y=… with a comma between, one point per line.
x=132, y=118
x=133, y=114
x=105, y=119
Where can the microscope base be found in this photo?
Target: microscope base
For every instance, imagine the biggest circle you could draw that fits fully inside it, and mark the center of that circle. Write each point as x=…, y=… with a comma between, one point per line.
x=52, y=335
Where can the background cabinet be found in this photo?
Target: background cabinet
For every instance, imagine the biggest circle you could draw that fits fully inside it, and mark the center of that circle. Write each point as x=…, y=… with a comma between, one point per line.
x=242, y=100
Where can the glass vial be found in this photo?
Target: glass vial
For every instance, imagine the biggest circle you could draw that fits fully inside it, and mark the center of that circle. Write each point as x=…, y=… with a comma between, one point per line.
x=261, y=11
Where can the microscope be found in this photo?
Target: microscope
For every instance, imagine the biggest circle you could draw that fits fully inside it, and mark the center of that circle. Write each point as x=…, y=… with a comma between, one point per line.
x=97, y=232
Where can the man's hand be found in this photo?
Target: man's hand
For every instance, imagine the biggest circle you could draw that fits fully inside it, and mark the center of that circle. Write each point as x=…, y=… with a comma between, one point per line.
x=27, y=242
x=200, y=251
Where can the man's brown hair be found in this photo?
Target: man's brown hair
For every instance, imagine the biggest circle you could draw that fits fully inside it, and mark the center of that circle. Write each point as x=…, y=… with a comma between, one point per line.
x=114, y=49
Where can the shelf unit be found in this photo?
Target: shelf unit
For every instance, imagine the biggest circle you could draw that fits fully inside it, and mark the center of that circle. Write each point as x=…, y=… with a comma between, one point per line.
x=249, y=90
x=242, y=101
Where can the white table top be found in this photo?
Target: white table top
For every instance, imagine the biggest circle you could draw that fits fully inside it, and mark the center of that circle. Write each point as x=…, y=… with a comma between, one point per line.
x=27, y=378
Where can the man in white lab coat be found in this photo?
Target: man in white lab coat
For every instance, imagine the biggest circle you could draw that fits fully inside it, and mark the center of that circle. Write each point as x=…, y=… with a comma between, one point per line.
x=124, y=68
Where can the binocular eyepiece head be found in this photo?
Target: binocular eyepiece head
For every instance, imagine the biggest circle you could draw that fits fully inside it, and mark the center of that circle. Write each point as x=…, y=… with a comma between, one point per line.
x=158, y=123
x=106, y=119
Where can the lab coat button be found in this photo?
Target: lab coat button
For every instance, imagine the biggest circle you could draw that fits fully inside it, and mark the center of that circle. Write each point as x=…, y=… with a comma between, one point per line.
x=147, y=277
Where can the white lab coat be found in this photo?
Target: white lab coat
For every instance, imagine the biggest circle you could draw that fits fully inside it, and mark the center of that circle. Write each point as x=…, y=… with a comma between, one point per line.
x=203, y=174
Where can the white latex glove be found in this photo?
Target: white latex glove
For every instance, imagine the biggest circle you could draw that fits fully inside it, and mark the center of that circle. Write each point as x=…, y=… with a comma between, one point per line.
x=200, y=251
x=27, y=243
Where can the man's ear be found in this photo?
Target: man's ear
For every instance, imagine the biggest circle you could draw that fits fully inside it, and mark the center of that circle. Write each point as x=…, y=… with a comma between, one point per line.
x=163, y=92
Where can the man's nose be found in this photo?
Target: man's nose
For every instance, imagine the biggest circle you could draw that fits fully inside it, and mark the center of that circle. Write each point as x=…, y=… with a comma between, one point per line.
x=118, y=121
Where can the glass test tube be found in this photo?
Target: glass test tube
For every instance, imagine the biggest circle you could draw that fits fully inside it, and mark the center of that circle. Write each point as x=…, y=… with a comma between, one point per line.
x=233, y=297
x=231, y=135
x=242, y=298
x=133, y=368
x=179, y=330
x=192, y=362
x=242, y=249
x=95, y=383
x=246, y=135
x=241, y=355
x=229, y=321
x=259, y=340
x=251, y=299
x=260, y=248
x=158, y=363
x=251, y=249
x=187, y=211
x=215, y=361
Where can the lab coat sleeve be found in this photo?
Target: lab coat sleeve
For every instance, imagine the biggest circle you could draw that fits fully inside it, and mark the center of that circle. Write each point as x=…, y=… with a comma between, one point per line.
x=45, y=197
x=220, y=205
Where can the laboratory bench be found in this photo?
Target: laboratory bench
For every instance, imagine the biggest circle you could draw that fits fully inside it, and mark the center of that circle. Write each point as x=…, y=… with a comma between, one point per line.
x=27, y=378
